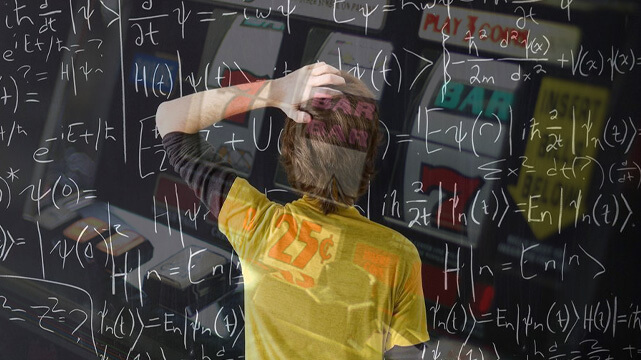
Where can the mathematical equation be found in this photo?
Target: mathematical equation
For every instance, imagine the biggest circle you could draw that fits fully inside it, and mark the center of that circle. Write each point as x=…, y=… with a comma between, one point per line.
x=562, y=319
x=126, y=323
x=500, y=119
x=57, y=315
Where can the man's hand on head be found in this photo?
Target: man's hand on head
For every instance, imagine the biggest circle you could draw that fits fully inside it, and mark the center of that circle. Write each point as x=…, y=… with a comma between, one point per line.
x=289, y=92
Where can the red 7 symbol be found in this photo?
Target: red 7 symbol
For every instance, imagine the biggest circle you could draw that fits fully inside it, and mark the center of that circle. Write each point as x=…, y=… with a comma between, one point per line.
x=240, y=77
x=459, y=189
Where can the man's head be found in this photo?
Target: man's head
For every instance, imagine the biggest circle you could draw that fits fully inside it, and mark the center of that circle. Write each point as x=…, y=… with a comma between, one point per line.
x=332, y=157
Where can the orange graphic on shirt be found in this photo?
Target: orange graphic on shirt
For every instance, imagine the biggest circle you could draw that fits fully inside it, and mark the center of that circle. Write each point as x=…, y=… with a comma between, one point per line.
x=324, y=248
x=298, y=253
x=249, y=223
x=376, y=261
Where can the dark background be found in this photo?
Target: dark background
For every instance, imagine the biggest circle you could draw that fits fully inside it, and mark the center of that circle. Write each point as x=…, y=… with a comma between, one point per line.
x=515, y=288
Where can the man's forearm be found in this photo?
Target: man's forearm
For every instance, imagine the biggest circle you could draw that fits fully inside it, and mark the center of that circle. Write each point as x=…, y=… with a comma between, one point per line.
x=192, y=113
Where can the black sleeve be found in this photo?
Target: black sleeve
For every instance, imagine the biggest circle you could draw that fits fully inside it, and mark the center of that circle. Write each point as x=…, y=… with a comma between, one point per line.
x=200, y=167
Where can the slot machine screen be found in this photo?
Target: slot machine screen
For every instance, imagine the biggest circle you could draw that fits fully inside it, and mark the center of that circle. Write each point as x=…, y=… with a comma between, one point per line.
x=460, y=128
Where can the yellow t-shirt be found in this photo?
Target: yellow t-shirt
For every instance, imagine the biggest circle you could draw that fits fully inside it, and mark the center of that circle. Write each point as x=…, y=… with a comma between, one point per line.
x=318, y=286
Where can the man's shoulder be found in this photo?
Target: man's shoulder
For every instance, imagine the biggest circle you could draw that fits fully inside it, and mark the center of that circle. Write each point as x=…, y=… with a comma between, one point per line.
x=394, y=240
x=242, y=191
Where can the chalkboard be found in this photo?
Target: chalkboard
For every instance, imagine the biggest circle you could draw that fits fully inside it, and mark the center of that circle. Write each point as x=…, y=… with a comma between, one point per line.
x=511, y=159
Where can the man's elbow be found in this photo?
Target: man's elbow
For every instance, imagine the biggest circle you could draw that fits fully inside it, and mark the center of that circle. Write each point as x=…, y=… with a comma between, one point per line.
x=162, y=119
x=166, y=120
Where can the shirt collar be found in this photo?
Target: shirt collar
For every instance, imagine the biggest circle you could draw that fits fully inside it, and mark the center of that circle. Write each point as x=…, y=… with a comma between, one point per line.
x=315, y=203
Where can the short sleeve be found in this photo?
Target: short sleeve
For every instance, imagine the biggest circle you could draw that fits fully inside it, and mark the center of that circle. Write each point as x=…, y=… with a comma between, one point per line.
x=244, y=216
x=409, y=319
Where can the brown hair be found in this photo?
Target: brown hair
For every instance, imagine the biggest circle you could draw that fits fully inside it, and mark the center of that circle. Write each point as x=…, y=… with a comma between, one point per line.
x=332, y=157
